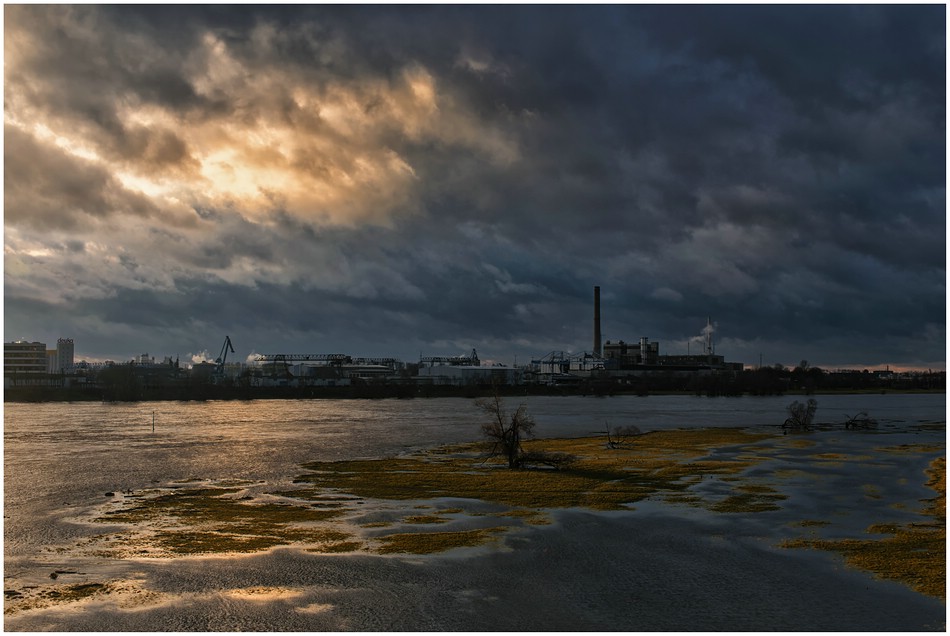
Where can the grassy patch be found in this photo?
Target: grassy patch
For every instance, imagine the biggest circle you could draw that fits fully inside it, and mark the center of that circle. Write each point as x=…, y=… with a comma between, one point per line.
x=338, y=547
x=531, y=517
x=914, y=554
x=192, y=519
x=665, y=462
x=188, y=521
x=911, y=448
x=212, y=505
x=797, y=442
x=77, y=592
x=750, y=498
x=425, y=519
x=54, y=595
x=431, y=542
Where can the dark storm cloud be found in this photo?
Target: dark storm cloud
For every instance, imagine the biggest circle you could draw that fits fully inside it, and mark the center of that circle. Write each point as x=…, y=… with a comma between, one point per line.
x=47, y=188
x=444, y=176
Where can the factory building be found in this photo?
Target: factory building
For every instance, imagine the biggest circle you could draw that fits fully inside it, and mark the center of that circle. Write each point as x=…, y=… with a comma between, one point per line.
x=622, y=358
x=464, y=371
x=322, y=369
x=559, y=368
x=622, y=354
x=464, y=375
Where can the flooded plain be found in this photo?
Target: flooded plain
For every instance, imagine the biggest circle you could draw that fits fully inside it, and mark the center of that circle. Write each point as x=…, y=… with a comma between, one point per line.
x=657, y=566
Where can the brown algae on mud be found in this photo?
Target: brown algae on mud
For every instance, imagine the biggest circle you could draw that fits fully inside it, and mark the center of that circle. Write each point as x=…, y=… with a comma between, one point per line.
x=915, y=553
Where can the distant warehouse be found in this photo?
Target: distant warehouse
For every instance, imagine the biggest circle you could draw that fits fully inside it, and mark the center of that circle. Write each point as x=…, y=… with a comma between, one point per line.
x=464, y=371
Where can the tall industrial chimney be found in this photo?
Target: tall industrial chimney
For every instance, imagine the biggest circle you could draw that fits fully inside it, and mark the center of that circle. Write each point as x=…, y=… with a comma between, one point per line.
x=597, y=349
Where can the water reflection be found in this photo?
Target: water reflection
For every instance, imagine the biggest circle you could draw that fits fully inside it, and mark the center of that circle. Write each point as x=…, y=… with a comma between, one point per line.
x=60, y=456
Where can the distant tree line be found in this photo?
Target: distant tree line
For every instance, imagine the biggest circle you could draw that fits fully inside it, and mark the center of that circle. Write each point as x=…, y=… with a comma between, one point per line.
x=778, y=380
x=129, y=382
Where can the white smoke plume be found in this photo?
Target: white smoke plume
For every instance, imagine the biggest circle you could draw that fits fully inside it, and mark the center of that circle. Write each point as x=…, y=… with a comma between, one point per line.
x=201, y=356
x=706, y=335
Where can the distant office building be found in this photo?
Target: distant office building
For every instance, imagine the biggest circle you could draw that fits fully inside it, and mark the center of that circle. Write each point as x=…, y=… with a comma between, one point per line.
x=64, y=355
x=24, y=357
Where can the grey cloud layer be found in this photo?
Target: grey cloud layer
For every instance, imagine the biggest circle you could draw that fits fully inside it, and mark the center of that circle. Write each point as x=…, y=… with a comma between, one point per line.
x=406, y=179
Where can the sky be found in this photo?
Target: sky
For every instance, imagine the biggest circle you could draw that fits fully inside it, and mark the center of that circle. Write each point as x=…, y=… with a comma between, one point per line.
x=399, y=181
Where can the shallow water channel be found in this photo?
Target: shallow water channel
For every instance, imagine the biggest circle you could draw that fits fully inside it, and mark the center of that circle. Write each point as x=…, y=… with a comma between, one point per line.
x=607, y=571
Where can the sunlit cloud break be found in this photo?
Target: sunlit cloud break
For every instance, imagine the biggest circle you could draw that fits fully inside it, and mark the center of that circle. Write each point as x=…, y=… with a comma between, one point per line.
x=403, y=180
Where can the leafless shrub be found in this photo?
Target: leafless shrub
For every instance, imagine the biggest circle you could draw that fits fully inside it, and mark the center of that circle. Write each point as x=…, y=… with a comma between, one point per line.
x=620, y=435
x=800, y=416
x=861, y=420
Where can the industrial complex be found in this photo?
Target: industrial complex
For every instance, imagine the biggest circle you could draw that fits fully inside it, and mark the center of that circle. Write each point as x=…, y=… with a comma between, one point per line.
x=637, y=363
x=25, y=362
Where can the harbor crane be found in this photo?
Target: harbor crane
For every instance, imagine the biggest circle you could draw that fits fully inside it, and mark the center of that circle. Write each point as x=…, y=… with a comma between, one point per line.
x=222, y=358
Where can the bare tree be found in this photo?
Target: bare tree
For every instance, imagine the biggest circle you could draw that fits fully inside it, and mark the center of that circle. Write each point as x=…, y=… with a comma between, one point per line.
x=505, y=433
x=620, y=435
x=800, y=415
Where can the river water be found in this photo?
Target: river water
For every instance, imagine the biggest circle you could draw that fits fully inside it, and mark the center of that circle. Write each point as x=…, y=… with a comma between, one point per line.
x=61, y=458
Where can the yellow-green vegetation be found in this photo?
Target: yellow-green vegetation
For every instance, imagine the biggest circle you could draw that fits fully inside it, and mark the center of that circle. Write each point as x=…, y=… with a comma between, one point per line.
x=797, y=442
x=660, y=463
x=207, y=520
x=750, y=498
x=74, y=592
x=911, y=448
x=337, y=547
x=196, y=519
x=52, y=595
x=431, y=542
x=323, y=512
x=531, y=517
x=914, y=554
x=425, y=519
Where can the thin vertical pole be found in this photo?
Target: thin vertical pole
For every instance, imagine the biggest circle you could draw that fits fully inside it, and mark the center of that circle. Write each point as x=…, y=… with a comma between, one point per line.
x=153, y=421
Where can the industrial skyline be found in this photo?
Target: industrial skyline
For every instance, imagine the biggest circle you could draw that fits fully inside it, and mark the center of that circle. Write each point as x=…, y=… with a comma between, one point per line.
x=406, y=181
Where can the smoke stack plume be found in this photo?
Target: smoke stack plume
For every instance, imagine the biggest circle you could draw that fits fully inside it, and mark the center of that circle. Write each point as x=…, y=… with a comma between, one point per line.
x=597, y=349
